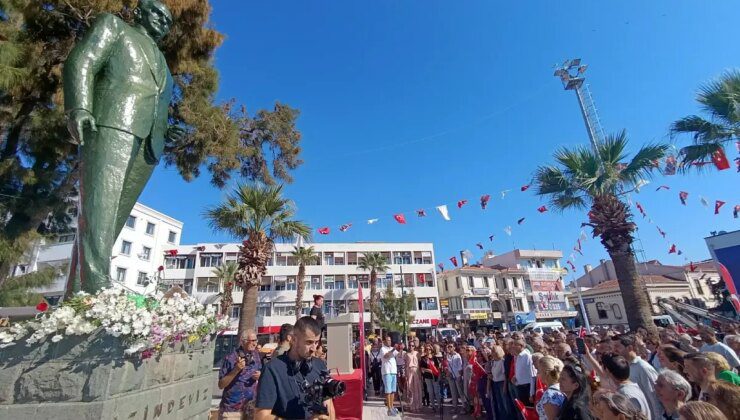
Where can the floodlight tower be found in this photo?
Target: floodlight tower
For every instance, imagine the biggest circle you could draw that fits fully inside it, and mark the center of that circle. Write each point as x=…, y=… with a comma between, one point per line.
x=571, y=73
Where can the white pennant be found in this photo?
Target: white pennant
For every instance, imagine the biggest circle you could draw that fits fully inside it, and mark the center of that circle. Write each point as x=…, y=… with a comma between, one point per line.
x=443, y=211
x=371, y=221
x=503, y=193
x=507, y=229
x=703, y=201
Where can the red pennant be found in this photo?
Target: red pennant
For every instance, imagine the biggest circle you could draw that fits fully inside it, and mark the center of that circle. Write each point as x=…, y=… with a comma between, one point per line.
x=582, y=332
x=525, y=187
x=345, y=228
x=673, y=249
x=453, y=260
x=421, y=213
x=639, y=207
x=720, y=159
x=484, y=199
x=479, y=245
x=172, y=252
x=201, y=248
x=683, y=195
x=542, y=209
x=680, y=329
x=461, y=203
x=718, y=205
x=42, y=306
x=670, y=166
x=400, y=218
x=490, y=238
x=661, y=232
x=663, y=187
x=692, y=267
x=324, y=230
x=577, y=250
x=572, y=266
x=441, y=266
x=736, y=211
x=578, y=241
x=520, y=221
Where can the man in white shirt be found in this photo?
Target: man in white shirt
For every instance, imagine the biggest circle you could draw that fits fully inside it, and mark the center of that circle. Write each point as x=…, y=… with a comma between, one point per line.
x=525, y=373
x=401, y=366
x=389, y=370
x=617, y=370
x=455, y=377
x=711, y=344
x=641, y=372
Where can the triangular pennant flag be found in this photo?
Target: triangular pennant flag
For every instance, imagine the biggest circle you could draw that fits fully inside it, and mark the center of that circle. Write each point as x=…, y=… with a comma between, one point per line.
x=461, y=203
x=578, y=241
x=490, y=238
x=670, y=166
x=703, y=201
x=572, y=256
x=660, y=231
x=683, y=195
x=737, y=163
x=663, y=187
x=503, y=193
x=484, y=199
x=582, y=332
x=324, y=230
x=453, y=260
x=692, y=267
x=479, y=245
x=572, y=266
x=443, y=211
x=371, y=221
x=577, y=250
x=507, y=229
x=520, y=221
x=421, y=213
x=542, y=209
x=639, y=207
x=583, y=236
x=736, y=211
x=720, y=159
x=345, y=228
x=680, y=252
x=718, y=205
x=441, y=266
x=400, y=218
x=672, y=250
x=525, y=187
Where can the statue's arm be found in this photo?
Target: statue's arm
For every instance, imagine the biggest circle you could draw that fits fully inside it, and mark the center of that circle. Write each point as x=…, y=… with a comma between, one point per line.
x=85, y=61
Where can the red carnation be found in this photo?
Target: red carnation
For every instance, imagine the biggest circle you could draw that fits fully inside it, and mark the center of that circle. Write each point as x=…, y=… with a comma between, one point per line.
x=42, y=306
x=160, y=268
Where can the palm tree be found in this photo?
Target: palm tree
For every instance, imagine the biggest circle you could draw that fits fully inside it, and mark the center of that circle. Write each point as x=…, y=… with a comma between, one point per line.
x=584, y=178
x=375, y=263
x=225, y=273
x=720, y=99
x=260, y=215
x=303, y=256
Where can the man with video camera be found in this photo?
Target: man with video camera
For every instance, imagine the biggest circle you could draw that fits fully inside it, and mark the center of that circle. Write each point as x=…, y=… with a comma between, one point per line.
x=295, y=385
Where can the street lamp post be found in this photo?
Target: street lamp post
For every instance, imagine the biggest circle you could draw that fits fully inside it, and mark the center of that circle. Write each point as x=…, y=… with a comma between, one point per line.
x=403, y=302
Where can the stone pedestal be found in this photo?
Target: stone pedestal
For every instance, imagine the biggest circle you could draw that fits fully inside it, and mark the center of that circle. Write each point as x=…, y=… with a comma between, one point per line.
x=90, y=377
x=339, y=339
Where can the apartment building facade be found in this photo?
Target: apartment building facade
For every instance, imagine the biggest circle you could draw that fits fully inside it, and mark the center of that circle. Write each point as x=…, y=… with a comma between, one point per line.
x=137, y=253
x=335, y=276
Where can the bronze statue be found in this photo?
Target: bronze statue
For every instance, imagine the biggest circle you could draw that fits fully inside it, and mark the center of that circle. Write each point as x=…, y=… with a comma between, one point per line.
x=117, y=91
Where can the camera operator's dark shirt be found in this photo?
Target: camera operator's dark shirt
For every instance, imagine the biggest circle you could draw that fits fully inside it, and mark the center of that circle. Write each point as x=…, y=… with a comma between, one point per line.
x=281, y=387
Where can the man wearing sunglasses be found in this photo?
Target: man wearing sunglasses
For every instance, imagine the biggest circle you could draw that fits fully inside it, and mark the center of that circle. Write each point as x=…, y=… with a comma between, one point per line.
x=238, y=377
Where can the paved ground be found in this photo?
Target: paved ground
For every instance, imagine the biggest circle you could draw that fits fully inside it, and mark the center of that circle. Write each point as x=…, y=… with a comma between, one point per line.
x=374, y=409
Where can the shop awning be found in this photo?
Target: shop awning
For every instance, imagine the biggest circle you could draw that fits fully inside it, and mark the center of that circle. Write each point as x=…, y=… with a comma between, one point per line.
x=269, y=330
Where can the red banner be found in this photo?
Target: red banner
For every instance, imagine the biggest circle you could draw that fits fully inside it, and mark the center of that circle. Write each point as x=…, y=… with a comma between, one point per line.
x=547, y=286
x=361, y=344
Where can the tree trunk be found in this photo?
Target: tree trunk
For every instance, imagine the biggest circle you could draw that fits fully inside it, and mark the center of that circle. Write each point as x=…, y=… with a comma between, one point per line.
x=253, y=256
x=248, y=313
x=373, y=292
x=636, y=304
x=227, y=298
x=299, y=291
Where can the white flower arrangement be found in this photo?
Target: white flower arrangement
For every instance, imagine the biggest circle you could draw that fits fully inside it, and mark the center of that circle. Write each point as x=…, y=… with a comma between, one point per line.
x=146, y=325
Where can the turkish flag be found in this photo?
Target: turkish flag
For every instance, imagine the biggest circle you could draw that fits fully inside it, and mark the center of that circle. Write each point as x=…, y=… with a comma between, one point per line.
x=683, y=195
x=525, y=187
x=400, y=218
x=453, y=260
x=324, y=230
x=542, y=209
x=484, y=199
x=582, y=332
x=718, y=205
x=461, y=203
x=720, y=159
x=172, y=252
x=692, y=267
x=441, y=266
x=673, y=249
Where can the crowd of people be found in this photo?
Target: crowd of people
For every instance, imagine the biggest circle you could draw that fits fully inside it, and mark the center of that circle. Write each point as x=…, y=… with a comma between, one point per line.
x=607, y=375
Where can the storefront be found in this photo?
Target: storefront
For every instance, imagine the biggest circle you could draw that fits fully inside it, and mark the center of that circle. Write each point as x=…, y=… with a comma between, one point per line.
x=422, y=327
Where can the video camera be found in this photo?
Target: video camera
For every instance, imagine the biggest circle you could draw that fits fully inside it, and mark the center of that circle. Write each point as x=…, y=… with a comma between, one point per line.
x=322, y=389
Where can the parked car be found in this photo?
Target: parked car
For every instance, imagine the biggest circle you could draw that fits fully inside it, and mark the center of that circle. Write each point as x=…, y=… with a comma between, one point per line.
x=544, y=327
x=447, y=333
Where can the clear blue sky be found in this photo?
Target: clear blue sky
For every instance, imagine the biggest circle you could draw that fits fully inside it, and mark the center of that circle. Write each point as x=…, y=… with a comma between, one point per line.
x=413, y=104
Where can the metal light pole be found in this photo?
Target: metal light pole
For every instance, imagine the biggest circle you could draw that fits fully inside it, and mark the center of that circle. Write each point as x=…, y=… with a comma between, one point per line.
x=571, y=73
x=403, y=302
x=584, y=314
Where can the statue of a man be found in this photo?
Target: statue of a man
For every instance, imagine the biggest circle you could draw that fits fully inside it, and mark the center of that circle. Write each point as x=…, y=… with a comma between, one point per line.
x=117, y=90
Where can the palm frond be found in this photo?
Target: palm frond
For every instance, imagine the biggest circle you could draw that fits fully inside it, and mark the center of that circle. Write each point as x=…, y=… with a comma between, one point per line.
x=697, y=155
x=641, y=166
x=612, y=149
x=702, y=130
x=551, y=180
x=721, y=97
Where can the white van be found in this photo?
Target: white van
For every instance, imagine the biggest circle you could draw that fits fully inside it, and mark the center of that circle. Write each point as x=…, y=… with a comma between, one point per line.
x=447, y=333
x=663, y=320
x=544, y=327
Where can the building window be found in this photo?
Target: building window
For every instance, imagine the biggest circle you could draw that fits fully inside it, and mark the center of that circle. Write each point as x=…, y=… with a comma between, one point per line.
x=235, y=311
x=351, y=281
x=519, y=304
x=125, y=247
x=141, y=279
x=131, y=222
x=447, y=289
x=527, y=285
x=263, y=309
x=329, y=282
x=69, y=237
x=353, y=306
x=312, y=283
x=515, y=282
x=172, y=237
x=364, y=280
x=457, y=281
x=179, y=262
x=617, y=311
x=266, y=284
x=306, y=308
x=281, y=282
x=422, y=257
x=339, y=282
x=284, y=308
x=210, y=260
x=150, y=228
x=231, y=256
x=146, y=253
x=471, y=282
x=601, y=311
x=486, y=284
x=508, y=305
x=699, y=289
x=120, y=274
x=207, y=285
x=426, y=304
x=328, y=258
x=339, y=258
x=477, y=303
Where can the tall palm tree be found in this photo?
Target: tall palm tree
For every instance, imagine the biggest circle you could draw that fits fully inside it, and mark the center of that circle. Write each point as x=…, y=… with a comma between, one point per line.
x=720, y=99
x=303, y=256
x=225, y=274
x=375, y=263
x=583, y=178
x=260, y=215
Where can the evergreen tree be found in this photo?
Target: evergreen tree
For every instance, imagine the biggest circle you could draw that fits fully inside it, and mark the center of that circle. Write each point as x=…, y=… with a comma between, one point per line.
x=38, y=164
x=394, y=309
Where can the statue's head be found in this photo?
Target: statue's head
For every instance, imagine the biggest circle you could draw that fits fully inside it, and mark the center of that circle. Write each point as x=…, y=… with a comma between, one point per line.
x=155, y=17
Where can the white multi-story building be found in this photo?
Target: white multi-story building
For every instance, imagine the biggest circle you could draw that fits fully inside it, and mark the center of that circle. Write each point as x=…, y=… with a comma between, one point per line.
x=137, y=253
x=335, y=276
